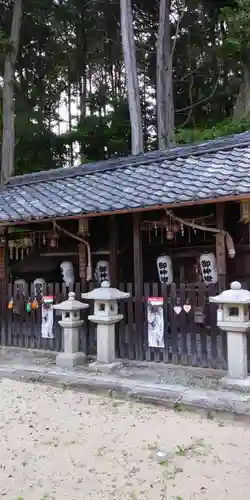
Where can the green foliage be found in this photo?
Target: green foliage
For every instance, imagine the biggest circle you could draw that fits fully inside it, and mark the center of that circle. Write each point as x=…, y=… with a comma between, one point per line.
x=237, y=21
x=70, y=54
x=222, y=129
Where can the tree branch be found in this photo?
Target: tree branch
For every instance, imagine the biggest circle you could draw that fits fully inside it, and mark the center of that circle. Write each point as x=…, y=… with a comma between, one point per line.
x=202, y=101
x=181, y=14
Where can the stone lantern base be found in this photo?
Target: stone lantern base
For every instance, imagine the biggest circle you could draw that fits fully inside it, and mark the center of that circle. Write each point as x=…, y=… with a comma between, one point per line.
x=107, y=368
x=70, y=360
x=242, y=384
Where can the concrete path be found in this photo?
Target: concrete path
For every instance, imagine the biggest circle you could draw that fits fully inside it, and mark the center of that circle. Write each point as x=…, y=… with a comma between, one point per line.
x=173, y=395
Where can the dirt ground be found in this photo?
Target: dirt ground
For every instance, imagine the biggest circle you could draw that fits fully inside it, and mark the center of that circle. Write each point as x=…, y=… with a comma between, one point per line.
x=59, y=444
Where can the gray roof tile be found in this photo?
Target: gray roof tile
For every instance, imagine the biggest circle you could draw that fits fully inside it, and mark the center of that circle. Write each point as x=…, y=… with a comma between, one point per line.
x=205, y=171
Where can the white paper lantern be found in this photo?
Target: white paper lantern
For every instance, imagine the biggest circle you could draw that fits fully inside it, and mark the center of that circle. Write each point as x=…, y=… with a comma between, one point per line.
x=68, y=273
x=39, y=286
x=20, y=282
x=208, y=267
x=102, y=271
x=165, y=269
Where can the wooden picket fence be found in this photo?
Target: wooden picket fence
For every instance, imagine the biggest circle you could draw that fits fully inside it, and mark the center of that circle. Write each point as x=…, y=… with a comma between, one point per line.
x=190, y=338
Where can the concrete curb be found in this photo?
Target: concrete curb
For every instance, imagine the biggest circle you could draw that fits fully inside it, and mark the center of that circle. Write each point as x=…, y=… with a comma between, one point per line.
x=176, y=396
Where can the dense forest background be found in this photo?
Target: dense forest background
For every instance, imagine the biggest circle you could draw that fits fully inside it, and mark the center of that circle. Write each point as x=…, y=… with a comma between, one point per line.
x=70, y=88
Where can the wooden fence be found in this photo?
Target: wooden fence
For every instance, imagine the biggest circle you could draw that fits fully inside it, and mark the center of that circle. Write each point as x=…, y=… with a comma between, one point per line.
x=190, y=338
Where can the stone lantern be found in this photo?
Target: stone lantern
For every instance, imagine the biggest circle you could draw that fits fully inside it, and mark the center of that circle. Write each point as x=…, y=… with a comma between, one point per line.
x=233, y=318
x=105, y=316
x=70, y=324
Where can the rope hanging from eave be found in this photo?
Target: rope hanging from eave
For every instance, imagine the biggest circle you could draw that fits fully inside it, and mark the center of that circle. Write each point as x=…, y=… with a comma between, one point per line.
x=86, y=243
x=229, y=240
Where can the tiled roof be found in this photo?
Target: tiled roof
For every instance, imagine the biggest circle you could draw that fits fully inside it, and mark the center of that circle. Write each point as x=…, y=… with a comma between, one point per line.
x=218, y=168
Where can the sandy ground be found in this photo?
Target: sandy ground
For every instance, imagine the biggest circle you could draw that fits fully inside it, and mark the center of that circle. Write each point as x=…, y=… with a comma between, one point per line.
x=58, y=444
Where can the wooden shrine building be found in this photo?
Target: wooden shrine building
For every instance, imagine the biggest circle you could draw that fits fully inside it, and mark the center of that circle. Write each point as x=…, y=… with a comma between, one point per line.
x=171, y=224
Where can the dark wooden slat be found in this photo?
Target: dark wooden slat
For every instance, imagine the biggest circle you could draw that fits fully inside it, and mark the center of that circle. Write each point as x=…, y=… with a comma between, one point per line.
x=221, y=261
x=166, y=315
x=173, y=325
x=183, y=326
x=5, y=291
x=192, y=327
x=130, y=307
x=50, y=343
x=138, y=284
x=113, y=247
x=20, y=324
x=11, y=319
x=203, y=331
x=27, y=325
x=147, y=349
x=84, y=337
x=91, y=327
x=57, y=300
x=156, y=350
x=211, y=308
x=120, y=334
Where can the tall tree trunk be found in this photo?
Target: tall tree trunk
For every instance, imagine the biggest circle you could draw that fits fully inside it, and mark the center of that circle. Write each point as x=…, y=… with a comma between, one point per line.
x=242, y=105
x=71, y=152
x=128, y=45
x=8, y=139
x=164, y=78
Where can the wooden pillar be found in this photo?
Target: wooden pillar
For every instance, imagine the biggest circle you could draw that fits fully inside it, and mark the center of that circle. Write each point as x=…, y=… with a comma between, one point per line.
x=83, y=231
x=221, y=247
x=113, y=248
x=138, y=284
x=4, y=282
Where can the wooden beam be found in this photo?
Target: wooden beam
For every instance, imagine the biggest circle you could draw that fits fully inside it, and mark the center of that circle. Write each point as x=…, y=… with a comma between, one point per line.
x=138, y=285
x=220, y=247
x=113, y=247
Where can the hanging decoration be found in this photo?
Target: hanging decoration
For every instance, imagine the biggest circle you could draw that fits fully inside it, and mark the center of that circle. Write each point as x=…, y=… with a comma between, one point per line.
x=155, y=322
x=20, y=283
x=39, y=287
x=168, y=228
x=177, y=310
x=194, y=226
x=245, y=211
x=208, y=267
x=164, y=267
x=83, y=230
x=67, y=270
x=17, y=302
x=85, y=242
x=187, y=308
x=28, y=306
x=11, y=303
x=170, y=225
x=82, y=261
x=53, y=238
x=34, y=304
x=102, y=271
x=47, y=317
x=21, y=247
x=83, y=227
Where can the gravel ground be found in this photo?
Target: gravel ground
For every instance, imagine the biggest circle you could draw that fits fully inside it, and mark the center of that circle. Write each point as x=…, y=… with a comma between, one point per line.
x=59, y=444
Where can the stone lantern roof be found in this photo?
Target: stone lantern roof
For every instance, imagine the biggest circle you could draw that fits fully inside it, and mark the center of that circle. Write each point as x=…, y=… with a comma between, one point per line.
x=235, y=295
x=71, y=304
x=105, y=293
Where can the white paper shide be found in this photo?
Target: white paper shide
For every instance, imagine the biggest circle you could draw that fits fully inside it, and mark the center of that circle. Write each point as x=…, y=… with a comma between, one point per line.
x=155, y=322
x=47, y=318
